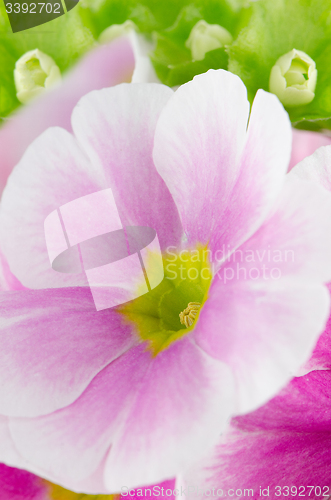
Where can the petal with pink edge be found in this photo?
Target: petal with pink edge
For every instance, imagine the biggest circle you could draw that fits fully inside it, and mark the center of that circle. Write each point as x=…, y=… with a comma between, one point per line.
x=72, y=442
x=8, y=280
x=316, y=168
x=52, y=172
x=8, y=452
x=294, y=243
x=264, y=333
x=116, y=129
x=267, y=305
x=53, y=342
x=153, y=416
x=286, y=443
x=10, y=456
x=223, y=180
x=320, y=358
x=103, y=67
x=181, y=407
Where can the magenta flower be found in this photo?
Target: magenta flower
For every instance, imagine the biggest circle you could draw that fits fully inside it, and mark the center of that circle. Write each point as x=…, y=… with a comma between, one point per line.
x=130, y=396
x=18, y=484
x=282, y=449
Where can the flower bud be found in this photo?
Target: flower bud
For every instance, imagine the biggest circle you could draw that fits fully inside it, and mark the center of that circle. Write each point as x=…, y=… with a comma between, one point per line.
x=34, y=72
x=116, y=30
x=293, y=78
x=205, y=37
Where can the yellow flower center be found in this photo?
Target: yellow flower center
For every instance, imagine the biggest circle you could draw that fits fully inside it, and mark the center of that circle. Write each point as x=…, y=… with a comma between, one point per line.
x=169, y=311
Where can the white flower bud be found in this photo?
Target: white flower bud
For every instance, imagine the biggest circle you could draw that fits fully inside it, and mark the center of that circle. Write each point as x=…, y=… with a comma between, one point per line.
x=34, y=72
x=205, y=37
x=117, y=30
x=293, y=79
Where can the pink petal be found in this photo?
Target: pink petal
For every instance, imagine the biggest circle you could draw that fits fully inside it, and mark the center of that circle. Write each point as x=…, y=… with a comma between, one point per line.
x=316, y=168
x=8, y=453
x=115, y=127
x=72, y=442
x=181, y=408
x=285, y=443
x=320, y=358
x=8, y=280
x=103, y=67
x=52, y=172
x=305, y=143
x=52, y=345
x=294, y=243
x=152, y=415
x=263, y=316
x=223, y=181
x=263, y=334
x=144, y=71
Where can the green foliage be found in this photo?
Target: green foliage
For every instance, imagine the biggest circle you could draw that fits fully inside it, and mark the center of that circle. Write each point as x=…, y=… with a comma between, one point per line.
x=263, y=30
x=172, y=60
x=148, y=15
x=65, y=39
x=275, y=28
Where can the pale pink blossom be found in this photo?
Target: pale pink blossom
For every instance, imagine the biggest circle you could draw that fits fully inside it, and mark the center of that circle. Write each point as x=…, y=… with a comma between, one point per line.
x=85, y=402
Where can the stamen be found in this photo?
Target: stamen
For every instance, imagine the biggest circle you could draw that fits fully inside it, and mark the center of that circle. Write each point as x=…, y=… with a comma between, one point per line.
x=187, y=317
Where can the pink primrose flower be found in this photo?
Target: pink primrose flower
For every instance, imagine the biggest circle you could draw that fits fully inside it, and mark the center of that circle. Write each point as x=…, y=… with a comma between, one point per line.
x=128, y=396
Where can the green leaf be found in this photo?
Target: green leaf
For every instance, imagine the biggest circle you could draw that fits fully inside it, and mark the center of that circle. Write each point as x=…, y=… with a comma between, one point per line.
x=65, y=39
x=275, y=28
x=164, y=13
x=173, y=61
x=100, y=14
x=8, y=57
x=149, y=15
